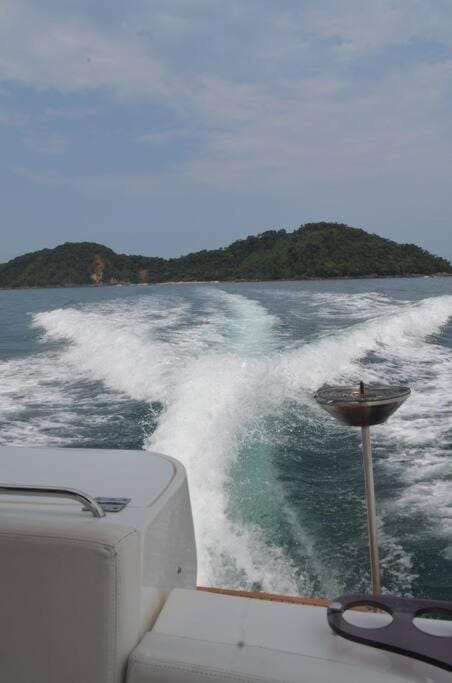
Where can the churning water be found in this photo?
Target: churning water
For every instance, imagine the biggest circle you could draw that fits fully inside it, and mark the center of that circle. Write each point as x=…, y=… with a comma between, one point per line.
x=222, y=377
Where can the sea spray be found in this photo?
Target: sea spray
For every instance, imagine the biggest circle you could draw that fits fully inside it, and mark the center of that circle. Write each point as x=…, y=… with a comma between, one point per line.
x=225, y=372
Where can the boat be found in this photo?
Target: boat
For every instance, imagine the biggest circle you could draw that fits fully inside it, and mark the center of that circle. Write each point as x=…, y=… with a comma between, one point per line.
x=98, y=584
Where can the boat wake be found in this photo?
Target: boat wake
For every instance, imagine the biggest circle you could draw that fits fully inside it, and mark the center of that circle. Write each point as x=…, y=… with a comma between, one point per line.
x=227, y=389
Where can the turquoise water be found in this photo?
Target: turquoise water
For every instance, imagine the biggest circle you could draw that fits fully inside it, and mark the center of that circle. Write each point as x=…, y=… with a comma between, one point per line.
x=222, y=377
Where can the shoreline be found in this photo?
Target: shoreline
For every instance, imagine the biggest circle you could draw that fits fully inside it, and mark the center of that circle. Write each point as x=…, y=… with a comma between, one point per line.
x=232, y=281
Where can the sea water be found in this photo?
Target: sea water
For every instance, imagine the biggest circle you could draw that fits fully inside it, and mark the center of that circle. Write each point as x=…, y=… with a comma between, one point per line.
x=222, y=377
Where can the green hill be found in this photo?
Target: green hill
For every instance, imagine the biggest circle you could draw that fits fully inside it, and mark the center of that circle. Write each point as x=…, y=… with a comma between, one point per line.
x=315, y=250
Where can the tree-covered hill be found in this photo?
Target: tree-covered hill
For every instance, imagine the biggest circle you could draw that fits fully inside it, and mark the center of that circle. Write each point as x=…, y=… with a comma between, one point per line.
x=313, y=250
x=74, y=263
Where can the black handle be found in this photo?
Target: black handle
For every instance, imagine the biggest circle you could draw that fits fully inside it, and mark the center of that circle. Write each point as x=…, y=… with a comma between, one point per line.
x=401, y=635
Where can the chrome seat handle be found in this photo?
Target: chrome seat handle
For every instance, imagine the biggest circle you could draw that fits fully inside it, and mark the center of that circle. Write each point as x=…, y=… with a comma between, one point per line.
x=54, y=492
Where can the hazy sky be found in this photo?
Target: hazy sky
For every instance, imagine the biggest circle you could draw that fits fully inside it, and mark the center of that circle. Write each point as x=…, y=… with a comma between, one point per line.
x=167, y=126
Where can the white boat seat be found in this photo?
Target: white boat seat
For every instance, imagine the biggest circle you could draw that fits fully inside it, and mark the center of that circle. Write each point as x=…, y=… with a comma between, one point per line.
x=77, y=592
x=69, y=600
x=201, y=636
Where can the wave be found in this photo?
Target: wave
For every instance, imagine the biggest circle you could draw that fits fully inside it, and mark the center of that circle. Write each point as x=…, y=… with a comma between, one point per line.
x=219, y=366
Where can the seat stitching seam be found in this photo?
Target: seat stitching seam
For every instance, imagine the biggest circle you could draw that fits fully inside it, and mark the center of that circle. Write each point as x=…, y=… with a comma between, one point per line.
x=247, y=645
x=212, y=673
x=67, y=539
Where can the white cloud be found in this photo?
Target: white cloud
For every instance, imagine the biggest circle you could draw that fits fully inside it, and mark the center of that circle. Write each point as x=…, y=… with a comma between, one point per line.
x=284, y=112
x=365, y=27
x=40, y=141
x=95, y=184
x=171, y=25
x=320, y=129
x=11, y=118
x=48, y=143
x=69, y=55
x=159, y=137
x=70, y=113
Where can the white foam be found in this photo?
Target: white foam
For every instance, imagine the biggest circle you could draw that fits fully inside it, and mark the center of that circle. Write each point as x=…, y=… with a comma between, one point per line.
x=216, y=400
x=208, y=389
x=218, y=370
x=336, y=356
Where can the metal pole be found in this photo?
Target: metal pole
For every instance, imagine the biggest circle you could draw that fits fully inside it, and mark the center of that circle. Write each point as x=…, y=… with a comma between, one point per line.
x=371, y=516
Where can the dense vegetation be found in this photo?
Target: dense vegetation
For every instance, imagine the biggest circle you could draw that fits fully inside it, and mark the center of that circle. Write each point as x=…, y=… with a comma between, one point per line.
x=314, y=250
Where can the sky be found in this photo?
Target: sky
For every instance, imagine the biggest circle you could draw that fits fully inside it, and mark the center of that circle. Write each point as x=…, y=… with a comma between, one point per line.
x=161, y=127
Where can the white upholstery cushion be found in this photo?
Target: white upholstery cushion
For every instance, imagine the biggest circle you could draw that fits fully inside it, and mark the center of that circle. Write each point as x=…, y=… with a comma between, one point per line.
x=69, y=598
x=208, y=637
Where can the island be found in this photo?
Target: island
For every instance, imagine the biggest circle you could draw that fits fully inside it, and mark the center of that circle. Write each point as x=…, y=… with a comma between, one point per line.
x=314, y=250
